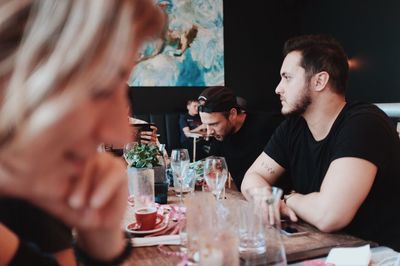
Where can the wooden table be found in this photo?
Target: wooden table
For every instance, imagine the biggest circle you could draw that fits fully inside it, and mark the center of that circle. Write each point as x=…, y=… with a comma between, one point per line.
x=317, y=244
x=314, y=244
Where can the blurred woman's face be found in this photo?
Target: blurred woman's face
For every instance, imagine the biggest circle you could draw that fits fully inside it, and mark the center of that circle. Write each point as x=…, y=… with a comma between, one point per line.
x=56, y=155
x=50, y=150
x=101, y=118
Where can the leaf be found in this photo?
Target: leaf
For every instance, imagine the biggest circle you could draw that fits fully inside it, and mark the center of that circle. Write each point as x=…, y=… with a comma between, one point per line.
x=143, y=156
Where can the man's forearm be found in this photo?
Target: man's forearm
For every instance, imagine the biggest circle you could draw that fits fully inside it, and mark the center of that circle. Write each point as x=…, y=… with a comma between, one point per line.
x=314, y=210
x=252, y=180
x=186, y=131
x=198, y=129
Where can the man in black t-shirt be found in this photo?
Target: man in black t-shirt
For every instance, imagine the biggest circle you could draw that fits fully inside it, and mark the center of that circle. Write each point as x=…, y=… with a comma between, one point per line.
x=190, y=123
x=343, y=158
x=238, y=136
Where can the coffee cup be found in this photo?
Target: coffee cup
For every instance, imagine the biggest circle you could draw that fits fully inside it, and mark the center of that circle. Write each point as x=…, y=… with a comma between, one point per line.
x=147, y=218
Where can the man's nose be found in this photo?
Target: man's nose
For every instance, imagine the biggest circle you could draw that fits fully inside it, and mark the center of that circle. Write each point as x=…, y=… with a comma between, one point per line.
x=210, y=131
x=278, y=89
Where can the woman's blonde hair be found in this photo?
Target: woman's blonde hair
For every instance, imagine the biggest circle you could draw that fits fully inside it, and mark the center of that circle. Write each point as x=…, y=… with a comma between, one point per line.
x=47, y=46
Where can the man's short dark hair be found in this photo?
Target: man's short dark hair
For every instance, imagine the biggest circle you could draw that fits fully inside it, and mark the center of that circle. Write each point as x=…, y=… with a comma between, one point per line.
x=321, y=53
x=191, y=101
x=217, y=99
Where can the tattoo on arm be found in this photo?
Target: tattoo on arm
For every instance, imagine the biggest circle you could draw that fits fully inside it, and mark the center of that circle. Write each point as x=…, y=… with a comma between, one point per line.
x=268, y=168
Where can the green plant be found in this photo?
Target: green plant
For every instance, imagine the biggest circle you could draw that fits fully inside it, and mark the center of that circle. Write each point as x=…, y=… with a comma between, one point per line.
x=143, y=156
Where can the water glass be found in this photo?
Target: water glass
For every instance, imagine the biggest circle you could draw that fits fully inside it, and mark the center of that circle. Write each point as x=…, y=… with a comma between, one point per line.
x=398, y=128
x=187, y=183
x=215, y=174
x=218, y=249
x=266, y=202
x=200, y=217
x=127, y=148
x=141, y=186
x=180, y=164
x=250, y=229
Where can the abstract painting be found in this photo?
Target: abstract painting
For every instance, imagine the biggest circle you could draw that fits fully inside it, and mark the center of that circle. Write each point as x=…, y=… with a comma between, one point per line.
x=190, y=51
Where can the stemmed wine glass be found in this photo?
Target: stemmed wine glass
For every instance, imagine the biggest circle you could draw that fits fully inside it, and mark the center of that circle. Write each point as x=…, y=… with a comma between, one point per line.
x=216, y=174
x=180, y=164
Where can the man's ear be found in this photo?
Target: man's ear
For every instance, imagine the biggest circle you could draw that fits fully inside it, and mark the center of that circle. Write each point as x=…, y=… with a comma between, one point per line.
x=233, y=113
x=320, y=80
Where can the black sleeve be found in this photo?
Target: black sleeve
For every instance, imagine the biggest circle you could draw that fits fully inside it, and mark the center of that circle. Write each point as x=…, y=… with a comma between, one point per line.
x=57, y=237
x=182, y=121
x=364, y=136
x=29, y=255
x=33, y=225
x=277, y=146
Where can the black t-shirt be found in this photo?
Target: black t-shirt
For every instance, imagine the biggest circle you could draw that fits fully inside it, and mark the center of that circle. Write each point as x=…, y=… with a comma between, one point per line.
x=187, y=120
x=242, y=148
x=35, y=228
x=361, y=131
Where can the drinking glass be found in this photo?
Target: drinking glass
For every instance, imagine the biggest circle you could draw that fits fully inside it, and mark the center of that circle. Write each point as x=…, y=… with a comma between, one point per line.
x=215, y=174
x=127, y=148
x=180, y=164
x=398, y=128
x=187, y=183
x=141, y=186
x=266, y=205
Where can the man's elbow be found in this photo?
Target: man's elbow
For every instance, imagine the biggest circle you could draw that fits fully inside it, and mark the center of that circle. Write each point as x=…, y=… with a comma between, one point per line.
x=330, y=223
x=249, y=181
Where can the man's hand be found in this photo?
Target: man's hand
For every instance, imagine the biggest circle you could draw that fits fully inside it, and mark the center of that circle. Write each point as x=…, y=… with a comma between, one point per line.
x=149, y=136
x=200, y=128
x=287, y=212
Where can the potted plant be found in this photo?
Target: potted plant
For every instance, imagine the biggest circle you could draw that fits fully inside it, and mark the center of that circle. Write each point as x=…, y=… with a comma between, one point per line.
x=146, y=156
x=142, y=155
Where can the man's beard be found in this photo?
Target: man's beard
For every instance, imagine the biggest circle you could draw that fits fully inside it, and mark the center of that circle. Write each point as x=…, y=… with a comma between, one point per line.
x=302, y=103
x=228, y=133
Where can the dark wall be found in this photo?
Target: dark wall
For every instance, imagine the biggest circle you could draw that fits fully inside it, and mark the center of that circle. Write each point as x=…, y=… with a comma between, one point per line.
x=254, y=35
x=161, y=99
x=370, y=32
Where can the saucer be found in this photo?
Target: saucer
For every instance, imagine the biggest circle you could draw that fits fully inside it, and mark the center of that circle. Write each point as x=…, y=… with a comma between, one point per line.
x=159, y=227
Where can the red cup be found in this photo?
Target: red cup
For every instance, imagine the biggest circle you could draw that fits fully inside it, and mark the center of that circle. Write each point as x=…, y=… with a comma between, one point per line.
x=146, y=218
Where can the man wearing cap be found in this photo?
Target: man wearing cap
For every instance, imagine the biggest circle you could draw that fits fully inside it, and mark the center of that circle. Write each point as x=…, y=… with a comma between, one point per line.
x=239, y=136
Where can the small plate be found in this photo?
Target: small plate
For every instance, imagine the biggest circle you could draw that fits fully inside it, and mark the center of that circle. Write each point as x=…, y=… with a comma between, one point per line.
x=158, y=228
x=185, y=190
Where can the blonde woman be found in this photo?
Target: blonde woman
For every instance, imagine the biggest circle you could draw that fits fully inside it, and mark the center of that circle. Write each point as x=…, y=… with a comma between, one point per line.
x=63, y=72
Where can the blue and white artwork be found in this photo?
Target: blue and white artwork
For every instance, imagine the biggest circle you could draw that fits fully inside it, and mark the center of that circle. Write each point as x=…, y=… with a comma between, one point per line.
x=191, y=50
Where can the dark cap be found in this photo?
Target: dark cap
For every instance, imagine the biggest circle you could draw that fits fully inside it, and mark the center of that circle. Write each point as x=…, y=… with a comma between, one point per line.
x=217, y=99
